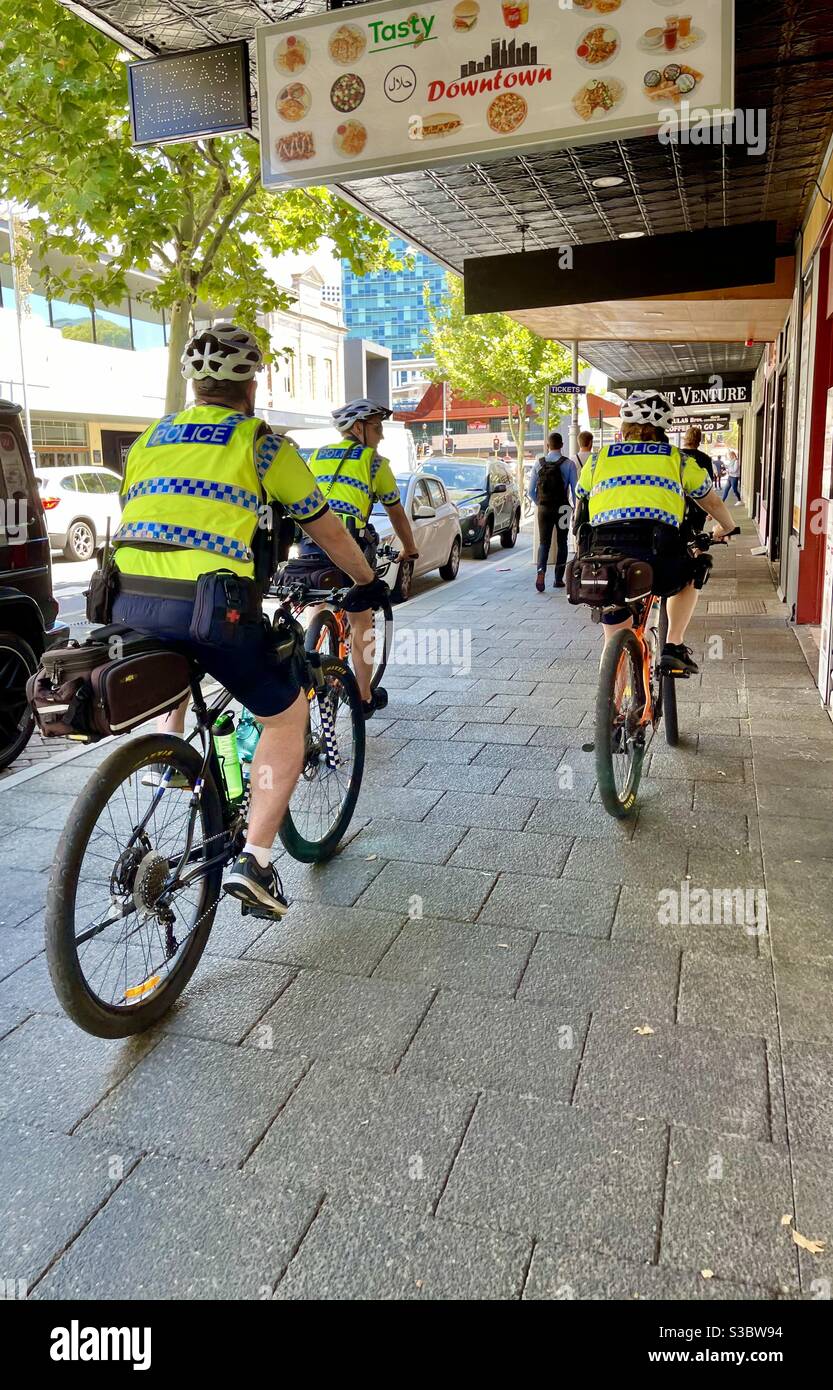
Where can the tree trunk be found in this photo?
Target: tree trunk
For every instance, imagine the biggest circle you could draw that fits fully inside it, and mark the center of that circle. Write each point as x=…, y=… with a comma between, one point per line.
x=177, y=338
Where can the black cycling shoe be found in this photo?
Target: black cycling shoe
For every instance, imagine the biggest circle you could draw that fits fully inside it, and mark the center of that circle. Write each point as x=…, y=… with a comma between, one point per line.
x=676, y=660
x=378, y=700
x=259, y=890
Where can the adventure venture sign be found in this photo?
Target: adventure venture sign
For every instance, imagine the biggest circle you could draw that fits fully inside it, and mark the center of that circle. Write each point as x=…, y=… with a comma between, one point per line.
x=380, y=89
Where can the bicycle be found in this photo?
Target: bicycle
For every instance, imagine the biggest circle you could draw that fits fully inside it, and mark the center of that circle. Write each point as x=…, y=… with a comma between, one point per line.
x=156, y=852
x=635, y=695
x=329, y=632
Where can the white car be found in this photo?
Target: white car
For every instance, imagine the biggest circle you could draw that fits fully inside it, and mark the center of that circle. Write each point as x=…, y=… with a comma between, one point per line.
x=77, y=505
x=436, y=526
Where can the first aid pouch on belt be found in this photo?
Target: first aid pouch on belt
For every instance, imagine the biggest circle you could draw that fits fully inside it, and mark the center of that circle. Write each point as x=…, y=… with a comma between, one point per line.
x=226, y=606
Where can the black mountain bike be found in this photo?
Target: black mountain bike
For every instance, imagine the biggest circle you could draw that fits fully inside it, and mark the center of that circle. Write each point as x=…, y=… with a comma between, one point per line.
x=139, y=867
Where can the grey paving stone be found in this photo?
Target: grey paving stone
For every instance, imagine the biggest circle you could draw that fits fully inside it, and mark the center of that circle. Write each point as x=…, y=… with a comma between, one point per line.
x=702, y=767
x=808, y=1071
x=793, y=772
x=627, y=863
x=36, y=851
x=551, y=1170
x=18, y=945
x=30, y=988
x=602, y=977
x=558, y=1273
x=225, y=998
x=649, y=918
x=197, y=1099
x=52, y=1074
x=802, y=891
x=50, y=1186
x=804, y=838
x=355, y=1250
x=21, y=807
x=512, y=850
x=364, y=1023
x=424, y=752
x=12, y=1014
x=495, y=733
x=350, y=941
x=546, y=904
x=22, y=894
x=376, y=1136
x=430, y=727
x=736, y=997
x=727, y=867
x=684, y=1075
x=393, y=839
x=805, y=1000
x=407, y=805
x=813, y=1184
x=706, y=832
x=444, y=892
x=339, y=882
x=728, y=796
x=232, y=934
x=509, y=758
x=228, y=1236
x=469, y=778
x=723, y=1207
x=475, y=809
x=469, y=957
x=499, y=1045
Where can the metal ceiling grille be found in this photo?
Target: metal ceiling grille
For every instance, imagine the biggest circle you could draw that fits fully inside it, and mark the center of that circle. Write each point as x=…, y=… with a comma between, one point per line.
x=641, y=361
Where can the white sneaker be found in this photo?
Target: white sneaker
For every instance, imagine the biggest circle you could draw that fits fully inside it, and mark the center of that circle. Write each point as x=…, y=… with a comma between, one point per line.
x=738, y=504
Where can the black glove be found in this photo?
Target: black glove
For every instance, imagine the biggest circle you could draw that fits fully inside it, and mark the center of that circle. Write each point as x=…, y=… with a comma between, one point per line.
x=363, y=596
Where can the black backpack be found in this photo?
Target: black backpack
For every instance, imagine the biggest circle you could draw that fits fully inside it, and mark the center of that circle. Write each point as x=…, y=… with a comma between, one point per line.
x=552, y=489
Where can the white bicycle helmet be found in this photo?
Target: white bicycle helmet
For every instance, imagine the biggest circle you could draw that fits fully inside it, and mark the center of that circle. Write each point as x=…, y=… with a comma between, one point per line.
x=646, y=408
x=223, y=352
x=347, y=415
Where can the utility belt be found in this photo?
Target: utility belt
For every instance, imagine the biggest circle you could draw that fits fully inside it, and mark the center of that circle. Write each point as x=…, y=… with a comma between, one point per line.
x=225, y=606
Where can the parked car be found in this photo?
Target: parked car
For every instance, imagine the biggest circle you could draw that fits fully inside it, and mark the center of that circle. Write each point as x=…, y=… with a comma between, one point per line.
x=28, y=610
x=78, y=503
x=436, y=527
x=487, y=499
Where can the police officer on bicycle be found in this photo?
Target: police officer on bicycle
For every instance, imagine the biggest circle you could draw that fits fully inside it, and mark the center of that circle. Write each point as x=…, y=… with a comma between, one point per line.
x=352, y=476
x=190, y=560
x=634, y=496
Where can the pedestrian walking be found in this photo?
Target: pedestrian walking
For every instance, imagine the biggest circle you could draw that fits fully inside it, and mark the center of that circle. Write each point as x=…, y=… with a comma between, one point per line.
x=552, y=486
x=732, y=483
x=585, y=448
x=691, y=449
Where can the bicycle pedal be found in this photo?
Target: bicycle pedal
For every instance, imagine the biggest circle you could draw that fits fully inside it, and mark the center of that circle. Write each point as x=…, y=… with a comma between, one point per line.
x=263, y=913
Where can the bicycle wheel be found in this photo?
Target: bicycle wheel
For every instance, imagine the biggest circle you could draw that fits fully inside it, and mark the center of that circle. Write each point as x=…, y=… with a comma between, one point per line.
x=620, y=751
x=382, y=641
x=117, y=957
x=322, y=634
x=324, y=799
x=668, y=694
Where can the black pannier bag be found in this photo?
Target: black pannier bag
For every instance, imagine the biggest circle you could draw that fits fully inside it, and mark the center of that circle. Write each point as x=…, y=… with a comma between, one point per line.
x=604, y=580
x=109, y=684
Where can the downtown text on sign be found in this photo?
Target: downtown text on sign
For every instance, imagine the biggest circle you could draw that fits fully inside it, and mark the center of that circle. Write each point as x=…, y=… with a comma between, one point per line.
x=381, y=89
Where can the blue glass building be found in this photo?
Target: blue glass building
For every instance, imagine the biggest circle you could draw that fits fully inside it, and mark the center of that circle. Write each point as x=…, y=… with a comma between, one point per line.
x=387, y=306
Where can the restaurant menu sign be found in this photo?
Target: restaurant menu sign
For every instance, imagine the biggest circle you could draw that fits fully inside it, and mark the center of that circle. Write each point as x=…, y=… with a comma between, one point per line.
x=381, y=89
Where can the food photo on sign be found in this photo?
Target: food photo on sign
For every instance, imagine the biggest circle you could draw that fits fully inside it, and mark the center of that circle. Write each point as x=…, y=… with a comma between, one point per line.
x=400, y=88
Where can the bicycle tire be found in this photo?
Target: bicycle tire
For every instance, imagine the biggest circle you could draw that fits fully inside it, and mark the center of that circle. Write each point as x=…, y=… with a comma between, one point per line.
x=77, y=999
x=323, y=625
x=15, y=732
x=613, y=801
x=384, y=611
x=668, y=698
x=295, y=841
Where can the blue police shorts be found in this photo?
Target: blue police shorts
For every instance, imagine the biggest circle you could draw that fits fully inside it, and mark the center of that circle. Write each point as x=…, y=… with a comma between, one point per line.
x=250, y=670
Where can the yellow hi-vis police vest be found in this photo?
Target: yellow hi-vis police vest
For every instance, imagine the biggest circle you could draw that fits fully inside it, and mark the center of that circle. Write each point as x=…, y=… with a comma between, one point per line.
x=193, y=487
x=352, y=477
x=640, y=481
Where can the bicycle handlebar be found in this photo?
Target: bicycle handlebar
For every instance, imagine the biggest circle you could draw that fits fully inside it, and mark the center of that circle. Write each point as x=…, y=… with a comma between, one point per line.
x=706, y=539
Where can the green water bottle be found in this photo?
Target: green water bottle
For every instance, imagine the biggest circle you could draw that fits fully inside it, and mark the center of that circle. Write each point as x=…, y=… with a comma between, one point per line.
x=225, y=743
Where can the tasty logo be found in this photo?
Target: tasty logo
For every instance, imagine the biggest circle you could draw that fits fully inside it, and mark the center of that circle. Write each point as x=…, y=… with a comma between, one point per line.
x=411, y=31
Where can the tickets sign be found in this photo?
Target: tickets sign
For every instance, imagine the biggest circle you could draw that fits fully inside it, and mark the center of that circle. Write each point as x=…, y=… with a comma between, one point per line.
x=381, y=89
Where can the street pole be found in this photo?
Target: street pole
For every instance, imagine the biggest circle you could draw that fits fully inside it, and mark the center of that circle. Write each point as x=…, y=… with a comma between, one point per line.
x=574, y=418
x=19, y=313
x=445, y=422
x=546, y=417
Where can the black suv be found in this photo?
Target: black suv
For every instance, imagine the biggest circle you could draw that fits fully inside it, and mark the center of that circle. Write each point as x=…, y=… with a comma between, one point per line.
x=487, y=499
x=27, y=607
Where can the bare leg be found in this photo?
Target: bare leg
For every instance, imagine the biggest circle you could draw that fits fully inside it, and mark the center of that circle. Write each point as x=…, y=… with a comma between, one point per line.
x=174, y=721
x=680, y=607
x=361, y=627
x=275, y=769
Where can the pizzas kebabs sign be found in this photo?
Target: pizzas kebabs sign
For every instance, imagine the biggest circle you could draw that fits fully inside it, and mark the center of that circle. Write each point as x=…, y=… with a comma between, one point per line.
x=381, y=89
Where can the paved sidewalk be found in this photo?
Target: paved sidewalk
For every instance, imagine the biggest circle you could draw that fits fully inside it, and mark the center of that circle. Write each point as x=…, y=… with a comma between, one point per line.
x=501, y=1047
